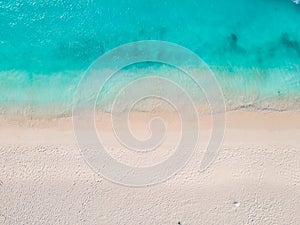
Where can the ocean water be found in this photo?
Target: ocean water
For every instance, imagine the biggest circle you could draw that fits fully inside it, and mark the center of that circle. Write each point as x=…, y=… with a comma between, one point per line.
x=253, y=47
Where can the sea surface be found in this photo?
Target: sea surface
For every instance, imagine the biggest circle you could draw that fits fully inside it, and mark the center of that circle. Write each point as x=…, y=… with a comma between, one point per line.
x=252, y=47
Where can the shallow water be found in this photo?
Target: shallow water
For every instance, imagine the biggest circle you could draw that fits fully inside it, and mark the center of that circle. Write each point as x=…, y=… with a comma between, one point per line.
x=253, y=47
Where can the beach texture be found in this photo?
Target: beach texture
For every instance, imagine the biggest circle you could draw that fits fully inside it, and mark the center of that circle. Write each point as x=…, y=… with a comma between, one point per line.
x=254, y=180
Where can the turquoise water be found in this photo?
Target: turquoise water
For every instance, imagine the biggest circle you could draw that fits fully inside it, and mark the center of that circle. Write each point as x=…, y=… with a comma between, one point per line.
x=253, y=47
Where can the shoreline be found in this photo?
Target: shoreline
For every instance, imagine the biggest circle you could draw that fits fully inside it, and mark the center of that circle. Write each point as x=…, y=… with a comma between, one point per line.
x=242, y=119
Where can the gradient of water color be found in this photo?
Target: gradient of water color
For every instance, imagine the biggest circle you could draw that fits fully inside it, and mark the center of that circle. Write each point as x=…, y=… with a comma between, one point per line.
x=45, y=46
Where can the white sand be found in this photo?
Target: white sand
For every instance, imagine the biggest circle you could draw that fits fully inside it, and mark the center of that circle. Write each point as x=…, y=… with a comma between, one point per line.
x=255, y=179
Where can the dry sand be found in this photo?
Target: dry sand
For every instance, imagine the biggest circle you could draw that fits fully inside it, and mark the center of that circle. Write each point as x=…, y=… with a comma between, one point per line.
x=254, y=180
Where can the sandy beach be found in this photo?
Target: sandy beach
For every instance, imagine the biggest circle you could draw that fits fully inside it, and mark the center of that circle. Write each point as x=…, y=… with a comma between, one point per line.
x=255, y=179
x=149, y=112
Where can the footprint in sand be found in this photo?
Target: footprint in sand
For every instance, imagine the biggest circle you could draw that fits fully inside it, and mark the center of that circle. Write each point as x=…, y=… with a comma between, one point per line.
x=2, y=219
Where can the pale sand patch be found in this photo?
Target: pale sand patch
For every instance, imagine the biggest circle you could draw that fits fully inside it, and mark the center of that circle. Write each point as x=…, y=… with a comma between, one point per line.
x=255, y=179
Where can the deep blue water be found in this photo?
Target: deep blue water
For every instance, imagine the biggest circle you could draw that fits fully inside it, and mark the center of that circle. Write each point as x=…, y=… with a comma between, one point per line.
x=45, y=46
